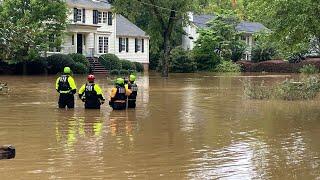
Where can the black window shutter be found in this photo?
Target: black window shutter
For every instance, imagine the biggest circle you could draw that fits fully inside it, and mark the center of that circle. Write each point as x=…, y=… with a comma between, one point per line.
x=136, y=44
x=84, y=15
x=110, y=18
x=127, y=44
x=142, y=44
x=120, y=47
x=75, y=14
x=95, y=17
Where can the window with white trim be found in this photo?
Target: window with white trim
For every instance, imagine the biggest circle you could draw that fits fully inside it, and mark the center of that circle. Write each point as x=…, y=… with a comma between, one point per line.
x=79, y=15
x=103, y=44
x=123, y=44
x=139, y=45
x=53, y=44
x=99, y=17
x=104, y=17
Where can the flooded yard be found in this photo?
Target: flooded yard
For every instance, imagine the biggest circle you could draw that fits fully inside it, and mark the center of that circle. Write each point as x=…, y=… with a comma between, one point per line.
x=190, y=126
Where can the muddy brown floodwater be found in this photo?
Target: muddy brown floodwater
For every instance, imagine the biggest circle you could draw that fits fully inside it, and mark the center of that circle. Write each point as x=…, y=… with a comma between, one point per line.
x=190, y=126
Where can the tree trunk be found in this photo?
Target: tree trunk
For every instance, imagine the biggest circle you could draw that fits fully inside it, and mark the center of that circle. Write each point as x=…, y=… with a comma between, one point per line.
x=166, y=43
x=24, y=68
x=166, y=55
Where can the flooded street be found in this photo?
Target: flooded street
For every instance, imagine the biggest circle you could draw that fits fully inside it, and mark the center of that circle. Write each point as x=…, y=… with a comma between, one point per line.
x=190, y=126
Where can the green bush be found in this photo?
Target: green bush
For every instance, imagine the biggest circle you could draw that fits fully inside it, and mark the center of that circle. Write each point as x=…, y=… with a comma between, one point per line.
x=80, y=58
x=181, y=61
x=139, y=67
x=305, y=89
x=260, y=53
x=110, y=61
x=228, y=66
x=57, y=62
x=238, y=48
x=206, y=62
x=297, y=56
x=309, y=69
x=37, y=66
x=80, y=68
x=115, y=72
x=127, y=65
x=124, y=72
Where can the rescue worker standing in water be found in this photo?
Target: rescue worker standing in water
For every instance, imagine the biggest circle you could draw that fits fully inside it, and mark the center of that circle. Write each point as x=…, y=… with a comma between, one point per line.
x=66, y=87
x=134, y=91
x=118, y=95
x=91, y=94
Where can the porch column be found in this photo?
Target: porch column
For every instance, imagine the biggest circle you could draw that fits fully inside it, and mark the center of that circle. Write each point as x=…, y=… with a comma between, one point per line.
x=74, y=43
x=90, y=44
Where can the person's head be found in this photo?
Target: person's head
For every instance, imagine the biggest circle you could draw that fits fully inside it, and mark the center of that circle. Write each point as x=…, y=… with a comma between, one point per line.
x=120, y=81
x=132, y=78
x=91, y=78
x=67, y=70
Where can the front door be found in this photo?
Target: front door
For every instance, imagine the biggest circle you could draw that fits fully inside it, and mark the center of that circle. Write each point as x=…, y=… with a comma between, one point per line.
x=79, y=43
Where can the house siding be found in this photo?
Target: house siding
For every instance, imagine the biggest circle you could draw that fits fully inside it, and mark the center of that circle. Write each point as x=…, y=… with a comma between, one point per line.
x=141, y=57
x=91, y=33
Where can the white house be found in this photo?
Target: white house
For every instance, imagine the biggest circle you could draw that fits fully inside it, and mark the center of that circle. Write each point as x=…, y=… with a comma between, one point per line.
x=200, y=21
x=93, y=29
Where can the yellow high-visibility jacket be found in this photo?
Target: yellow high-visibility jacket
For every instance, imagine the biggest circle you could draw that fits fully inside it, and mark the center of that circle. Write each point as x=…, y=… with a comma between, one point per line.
x=71, y=82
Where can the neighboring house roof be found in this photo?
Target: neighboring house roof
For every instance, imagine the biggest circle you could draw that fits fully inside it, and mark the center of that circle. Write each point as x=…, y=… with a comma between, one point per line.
x=201, y=20
x=250, y=27
x=90, y=4
x=127, y=28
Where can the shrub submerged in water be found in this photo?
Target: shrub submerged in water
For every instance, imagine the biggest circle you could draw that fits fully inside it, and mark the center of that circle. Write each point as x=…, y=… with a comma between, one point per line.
x=228, y=66
x=290, y=90
x=309, y=69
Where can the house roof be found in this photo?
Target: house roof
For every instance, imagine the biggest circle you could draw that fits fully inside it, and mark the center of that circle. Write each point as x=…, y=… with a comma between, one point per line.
x=90, y=4
x=127, y=28
x=250, y=27
x=202, y=20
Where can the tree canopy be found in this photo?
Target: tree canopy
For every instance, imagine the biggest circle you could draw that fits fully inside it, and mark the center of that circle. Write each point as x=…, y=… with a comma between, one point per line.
x=26, y=26
x=294, y=24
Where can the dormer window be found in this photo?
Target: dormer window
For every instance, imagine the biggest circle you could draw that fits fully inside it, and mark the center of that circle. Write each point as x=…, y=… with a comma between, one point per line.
x=79, y=15
x=102, y=17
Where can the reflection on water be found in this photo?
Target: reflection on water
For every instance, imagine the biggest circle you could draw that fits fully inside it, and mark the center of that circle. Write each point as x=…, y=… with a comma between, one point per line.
x=190, y=126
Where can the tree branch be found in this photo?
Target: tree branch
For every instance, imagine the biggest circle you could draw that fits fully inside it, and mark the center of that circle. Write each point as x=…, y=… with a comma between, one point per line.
x=157, y=14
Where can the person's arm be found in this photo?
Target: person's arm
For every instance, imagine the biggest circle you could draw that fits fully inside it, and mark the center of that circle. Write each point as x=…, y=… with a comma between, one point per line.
x=98, y=89
x=57, y=84
x=113, y=92
x=72, y=85
x=81, y=91
x=128, y=91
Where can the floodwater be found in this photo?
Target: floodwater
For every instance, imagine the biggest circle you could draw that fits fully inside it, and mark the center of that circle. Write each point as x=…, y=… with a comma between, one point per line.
x=190, y=126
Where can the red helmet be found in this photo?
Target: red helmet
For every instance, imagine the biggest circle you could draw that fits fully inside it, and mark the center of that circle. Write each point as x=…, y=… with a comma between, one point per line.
x=91, y=78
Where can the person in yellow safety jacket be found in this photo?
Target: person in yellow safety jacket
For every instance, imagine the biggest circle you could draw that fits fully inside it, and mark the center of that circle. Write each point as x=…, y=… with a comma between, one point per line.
x=131, y=85
x=91, y=94
x=118, y=96
x=66, y=87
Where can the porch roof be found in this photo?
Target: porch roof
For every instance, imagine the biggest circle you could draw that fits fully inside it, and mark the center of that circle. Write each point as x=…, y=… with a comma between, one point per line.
x=83, y=28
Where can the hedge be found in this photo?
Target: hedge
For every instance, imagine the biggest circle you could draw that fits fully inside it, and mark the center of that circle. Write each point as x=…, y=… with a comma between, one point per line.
x=110, y=61
x=80, y=58
x=278, y=66
x=127, y=65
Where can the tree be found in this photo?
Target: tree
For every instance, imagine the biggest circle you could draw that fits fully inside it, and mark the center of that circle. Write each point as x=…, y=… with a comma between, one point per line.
x=220, y=41
x=27, y=25
x=293, y=23
x=163, y=20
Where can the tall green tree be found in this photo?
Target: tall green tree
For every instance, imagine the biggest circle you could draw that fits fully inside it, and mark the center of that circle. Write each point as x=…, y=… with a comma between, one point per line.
x=27, y=25
x=220, y=41
x=293, y=23
x=162, y=21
